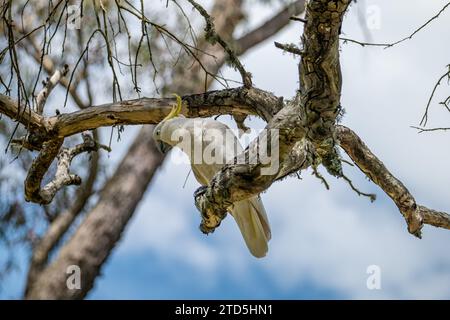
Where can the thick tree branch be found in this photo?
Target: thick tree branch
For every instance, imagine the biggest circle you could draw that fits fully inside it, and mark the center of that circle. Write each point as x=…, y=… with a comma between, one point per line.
x=63, y=177
x=414, y=215
x=320, y=78
x=147, y=111
x=153, y=110
x=22, y=114
x=435, y=218
x=37, y=171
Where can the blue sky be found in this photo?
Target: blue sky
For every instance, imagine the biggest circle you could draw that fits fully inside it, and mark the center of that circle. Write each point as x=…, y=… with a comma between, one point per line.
x=322, y=241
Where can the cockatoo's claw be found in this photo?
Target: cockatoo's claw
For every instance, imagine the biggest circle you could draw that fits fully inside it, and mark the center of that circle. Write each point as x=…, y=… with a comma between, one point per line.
x=199, y=192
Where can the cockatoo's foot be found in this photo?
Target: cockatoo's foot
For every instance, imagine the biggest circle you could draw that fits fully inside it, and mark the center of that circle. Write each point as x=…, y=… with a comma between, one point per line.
x=211, y=218
x=200, y=191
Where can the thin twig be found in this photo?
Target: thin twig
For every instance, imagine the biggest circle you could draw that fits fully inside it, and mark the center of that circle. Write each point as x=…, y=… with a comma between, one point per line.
x=319, y=176
x=371, y=196
x=298, y=19
x=430, y=129
x=288, y=47
x=389, y=45
x=424, y=120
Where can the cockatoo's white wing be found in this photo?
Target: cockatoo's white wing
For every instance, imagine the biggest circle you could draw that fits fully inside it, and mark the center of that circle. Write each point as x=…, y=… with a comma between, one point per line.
x=249, y=214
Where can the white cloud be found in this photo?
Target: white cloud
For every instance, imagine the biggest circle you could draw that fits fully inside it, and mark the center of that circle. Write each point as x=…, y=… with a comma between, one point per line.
x=333, y=242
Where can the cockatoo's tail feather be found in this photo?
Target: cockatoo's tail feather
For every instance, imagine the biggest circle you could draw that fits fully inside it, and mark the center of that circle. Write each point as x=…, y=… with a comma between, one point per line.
x=251, y=218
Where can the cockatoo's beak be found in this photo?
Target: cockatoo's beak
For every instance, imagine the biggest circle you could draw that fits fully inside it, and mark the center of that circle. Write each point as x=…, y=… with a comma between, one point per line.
x=163, y=147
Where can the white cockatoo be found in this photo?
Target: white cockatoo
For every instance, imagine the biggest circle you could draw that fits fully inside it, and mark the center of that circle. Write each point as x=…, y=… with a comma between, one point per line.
x=212, y=135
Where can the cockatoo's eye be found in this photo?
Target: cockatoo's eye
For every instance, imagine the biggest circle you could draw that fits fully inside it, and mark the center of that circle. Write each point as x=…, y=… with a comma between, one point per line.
x=158, y=132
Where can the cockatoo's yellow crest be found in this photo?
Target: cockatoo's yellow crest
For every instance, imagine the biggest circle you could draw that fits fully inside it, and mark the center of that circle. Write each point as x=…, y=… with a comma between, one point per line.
x=176, y=108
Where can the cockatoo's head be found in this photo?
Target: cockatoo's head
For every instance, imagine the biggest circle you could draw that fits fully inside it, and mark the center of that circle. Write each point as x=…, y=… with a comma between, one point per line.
x=161, y=133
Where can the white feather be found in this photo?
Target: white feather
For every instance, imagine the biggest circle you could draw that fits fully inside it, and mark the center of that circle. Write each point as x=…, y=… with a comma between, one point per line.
x=249, y=214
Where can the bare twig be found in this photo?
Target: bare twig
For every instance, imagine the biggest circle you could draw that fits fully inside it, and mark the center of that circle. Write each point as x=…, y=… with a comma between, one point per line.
x=289, y=47
x=371, y=196
x=319, y=176
x=389, y=45
x=298, y=19
x=424, y=120
x=49, y=84
x=364, y=44
x=420, y=130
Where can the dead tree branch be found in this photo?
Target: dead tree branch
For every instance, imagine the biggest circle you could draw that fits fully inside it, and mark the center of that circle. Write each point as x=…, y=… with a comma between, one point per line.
x=146, y=111
x=373, y=168
x=63, y=177
x=288, y=47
